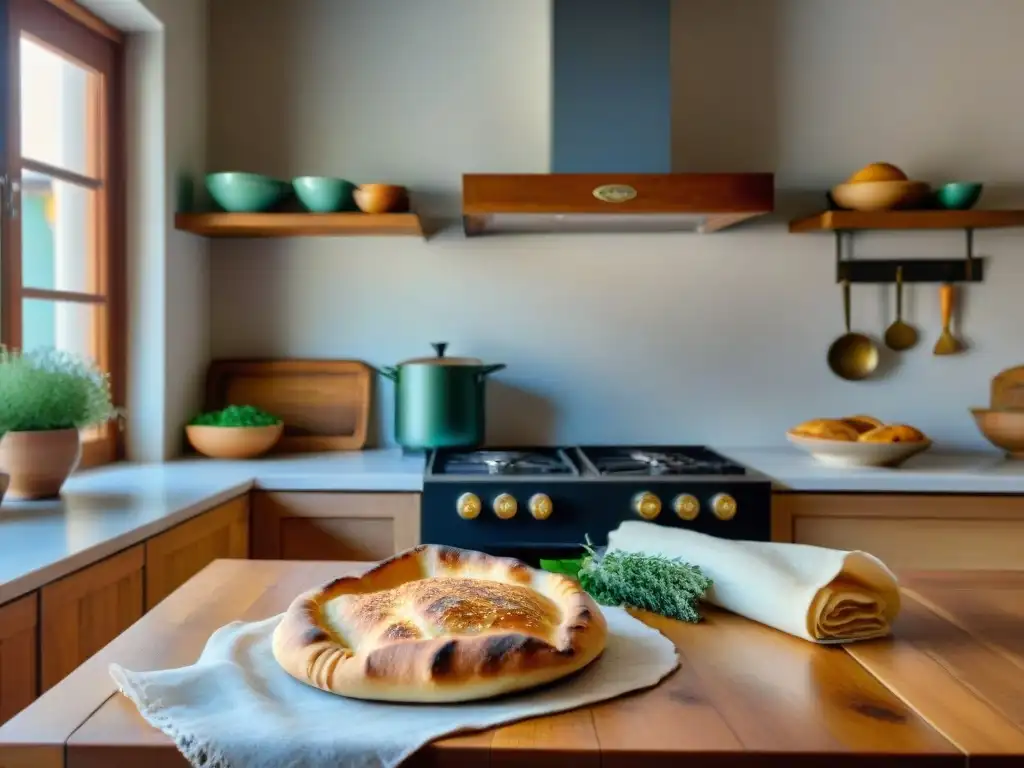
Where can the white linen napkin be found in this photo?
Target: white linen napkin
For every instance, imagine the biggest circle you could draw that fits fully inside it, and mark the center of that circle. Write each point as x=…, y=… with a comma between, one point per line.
x=236, y=708
x=818, y=594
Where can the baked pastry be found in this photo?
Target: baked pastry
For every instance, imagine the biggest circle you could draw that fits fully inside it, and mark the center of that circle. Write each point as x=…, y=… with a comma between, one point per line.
x=825, y=429
x=862, y=423
x=893, y=433
x=440, y=624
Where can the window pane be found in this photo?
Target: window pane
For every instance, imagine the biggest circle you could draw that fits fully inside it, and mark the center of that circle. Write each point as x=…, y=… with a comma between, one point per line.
x=59, y=248
x=56, y=97
x=63, y=325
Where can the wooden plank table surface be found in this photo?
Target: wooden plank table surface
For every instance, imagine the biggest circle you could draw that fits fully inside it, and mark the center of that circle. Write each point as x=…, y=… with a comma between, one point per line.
x=947, y=687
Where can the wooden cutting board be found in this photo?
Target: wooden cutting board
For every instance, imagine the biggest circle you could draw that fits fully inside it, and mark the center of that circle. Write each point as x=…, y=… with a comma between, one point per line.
x=1008, y=389
x=325, y=404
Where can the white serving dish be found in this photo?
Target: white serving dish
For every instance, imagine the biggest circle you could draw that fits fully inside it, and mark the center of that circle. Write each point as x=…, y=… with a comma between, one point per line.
x=846, y=453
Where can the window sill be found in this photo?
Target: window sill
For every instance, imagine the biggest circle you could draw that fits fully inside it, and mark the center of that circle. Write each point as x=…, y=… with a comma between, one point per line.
x=99, y=449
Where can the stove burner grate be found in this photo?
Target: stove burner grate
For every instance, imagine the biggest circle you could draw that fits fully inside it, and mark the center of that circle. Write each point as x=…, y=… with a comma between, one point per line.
x=666, y=461
x=505, y=463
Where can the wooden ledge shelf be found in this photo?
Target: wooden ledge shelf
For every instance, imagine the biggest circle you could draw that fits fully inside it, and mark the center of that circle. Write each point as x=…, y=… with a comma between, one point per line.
x=831, y=221
x=299, y=224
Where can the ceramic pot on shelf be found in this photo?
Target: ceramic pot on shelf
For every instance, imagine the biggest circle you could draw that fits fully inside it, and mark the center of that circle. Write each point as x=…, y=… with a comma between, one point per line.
x=39, y=462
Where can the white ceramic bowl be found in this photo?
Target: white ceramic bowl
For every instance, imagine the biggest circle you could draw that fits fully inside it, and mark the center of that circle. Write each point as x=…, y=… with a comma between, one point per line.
x=846, y=453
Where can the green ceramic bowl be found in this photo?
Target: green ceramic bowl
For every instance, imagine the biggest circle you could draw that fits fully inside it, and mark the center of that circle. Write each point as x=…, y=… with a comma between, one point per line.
x=245, y=192
x=958, y=195
x=322, y=194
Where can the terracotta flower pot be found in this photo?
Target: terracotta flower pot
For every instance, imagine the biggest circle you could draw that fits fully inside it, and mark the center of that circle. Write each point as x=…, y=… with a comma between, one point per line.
x=39, y=462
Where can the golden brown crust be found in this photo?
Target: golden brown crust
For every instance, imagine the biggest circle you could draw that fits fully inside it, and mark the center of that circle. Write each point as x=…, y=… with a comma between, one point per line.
x=893, y=433
x=826, y=429
x=862, y=422
x=439, y=624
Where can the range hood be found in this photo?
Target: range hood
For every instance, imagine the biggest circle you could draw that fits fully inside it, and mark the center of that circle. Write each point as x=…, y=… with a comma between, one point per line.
x=611, y=141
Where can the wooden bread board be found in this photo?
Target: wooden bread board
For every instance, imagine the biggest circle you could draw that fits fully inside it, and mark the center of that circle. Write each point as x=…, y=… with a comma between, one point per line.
x=1008, y=389
x=325, y=404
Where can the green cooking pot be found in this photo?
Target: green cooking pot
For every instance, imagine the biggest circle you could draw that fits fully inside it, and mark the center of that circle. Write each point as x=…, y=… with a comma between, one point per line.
x=439, y=401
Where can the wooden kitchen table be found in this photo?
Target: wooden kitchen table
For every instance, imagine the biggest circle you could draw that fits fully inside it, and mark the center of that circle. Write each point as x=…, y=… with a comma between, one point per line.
x=948, y=687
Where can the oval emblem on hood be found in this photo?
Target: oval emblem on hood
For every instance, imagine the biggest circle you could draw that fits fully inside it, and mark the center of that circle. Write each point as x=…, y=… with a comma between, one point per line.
x=615, y=193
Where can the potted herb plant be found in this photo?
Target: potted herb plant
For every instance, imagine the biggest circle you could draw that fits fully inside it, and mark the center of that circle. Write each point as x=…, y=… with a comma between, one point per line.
x=46, y=397
x=235, y=432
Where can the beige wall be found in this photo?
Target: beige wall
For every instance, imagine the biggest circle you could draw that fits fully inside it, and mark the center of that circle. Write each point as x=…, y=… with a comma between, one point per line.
x=168, y=271
x=641, y=338
x=187, y=310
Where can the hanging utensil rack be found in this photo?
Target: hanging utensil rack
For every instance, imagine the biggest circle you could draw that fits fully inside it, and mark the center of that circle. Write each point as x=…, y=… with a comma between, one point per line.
x=845, y=224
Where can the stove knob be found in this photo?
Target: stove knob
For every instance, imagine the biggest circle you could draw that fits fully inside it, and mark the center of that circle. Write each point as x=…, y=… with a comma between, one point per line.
x=723, y=506
x=468, y=506
x=541, y=506
x=686, y=506
x=647, y=505
x=505, y=506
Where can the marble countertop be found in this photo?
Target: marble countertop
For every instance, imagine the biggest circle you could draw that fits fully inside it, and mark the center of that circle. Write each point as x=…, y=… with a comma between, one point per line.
x=105, y=510
x=981, y=472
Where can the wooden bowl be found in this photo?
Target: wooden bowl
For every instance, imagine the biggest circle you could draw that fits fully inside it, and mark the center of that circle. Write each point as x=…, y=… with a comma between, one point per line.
x=880, y=195
x=851, y=454
x=1004, y=429
x=381, y=198
x=233, y=442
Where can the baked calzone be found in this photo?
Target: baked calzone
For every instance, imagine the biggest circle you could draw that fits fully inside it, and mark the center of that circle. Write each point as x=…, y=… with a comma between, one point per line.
x=440, y=624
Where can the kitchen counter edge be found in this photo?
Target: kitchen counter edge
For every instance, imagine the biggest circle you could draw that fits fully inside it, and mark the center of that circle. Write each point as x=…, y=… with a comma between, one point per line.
x=966, y=472
x=105, y=510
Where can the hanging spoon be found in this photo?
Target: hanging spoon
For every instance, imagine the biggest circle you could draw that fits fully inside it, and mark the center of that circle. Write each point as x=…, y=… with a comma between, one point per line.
x=900, y=336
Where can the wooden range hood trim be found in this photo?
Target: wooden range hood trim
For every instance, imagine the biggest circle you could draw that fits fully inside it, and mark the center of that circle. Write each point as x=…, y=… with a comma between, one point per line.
x=725, y=199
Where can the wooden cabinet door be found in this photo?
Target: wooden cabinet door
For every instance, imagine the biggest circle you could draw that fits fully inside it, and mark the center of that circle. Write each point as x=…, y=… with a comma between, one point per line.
x=19, y=637
x=83, y=612
x=334, y=526
x=175, y=556
x=910, y=531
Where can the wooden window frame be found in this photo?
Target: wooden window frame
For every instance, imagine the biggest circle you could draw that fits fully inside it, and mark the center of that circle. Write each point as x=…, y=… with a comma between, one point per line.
x=82, y=37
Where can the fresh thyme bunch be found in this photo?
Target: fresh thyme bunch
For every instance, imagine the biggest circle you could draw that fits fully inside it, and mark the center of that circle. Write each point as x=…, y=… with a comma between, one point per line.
x=655, y=583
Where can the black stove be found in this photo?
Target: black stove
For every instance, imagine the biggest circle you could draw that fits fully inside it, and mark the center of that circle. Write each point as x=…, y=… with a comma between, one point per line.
x=545, y=502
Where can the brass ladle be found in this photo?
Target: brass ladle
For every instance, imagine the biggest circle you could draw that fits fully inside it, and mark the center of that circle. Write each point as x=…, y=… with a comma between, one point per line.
x=853, y=356
x=900, y=336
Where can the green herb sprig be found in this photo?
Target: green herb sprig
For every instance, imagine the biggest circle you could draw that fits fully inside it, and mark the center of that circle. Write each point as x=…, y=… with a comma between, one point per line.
x=46, y=389
x=662, y=585
x=236, y=416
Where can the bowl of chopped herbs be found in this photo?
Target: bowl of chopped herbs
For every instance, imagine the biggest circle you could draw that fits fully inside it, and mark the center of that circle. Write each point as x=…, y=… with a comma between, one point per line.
x=234, y=432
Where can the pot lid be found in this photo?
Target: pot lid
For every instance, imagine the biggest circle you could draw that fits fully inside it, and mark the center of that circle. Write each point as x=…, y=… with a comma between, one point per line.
x=440, y=359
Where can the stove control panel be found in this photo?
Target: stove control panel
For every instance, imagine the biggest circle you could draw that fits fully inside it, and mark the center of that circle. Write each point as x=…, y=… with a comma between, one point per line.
x=647, y=505
x=526, y=514
x=505, y=506
x=468, y=506
x=541, y=506
x=687, y=506
x=723, y=506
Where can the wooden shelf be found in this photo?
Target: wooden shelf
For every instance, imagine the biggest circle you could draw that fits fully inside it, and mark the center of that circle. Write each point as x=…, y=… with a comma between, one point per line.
x=830, y=221
x=299, y=224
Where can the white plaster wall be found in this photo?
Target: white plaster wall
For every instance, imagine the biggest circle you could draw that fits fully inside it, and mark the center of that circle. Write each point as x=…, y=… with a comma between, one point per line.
x=661, y=338
x=168, y=271
x=186, y=271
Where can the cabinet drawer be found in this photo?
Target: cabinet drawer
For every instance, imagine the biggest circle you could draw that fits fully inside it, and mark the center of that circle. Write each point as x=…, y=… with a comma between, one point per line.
x=921, y=544
x=83, y=612
x=334, y=526
x=175, y=556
